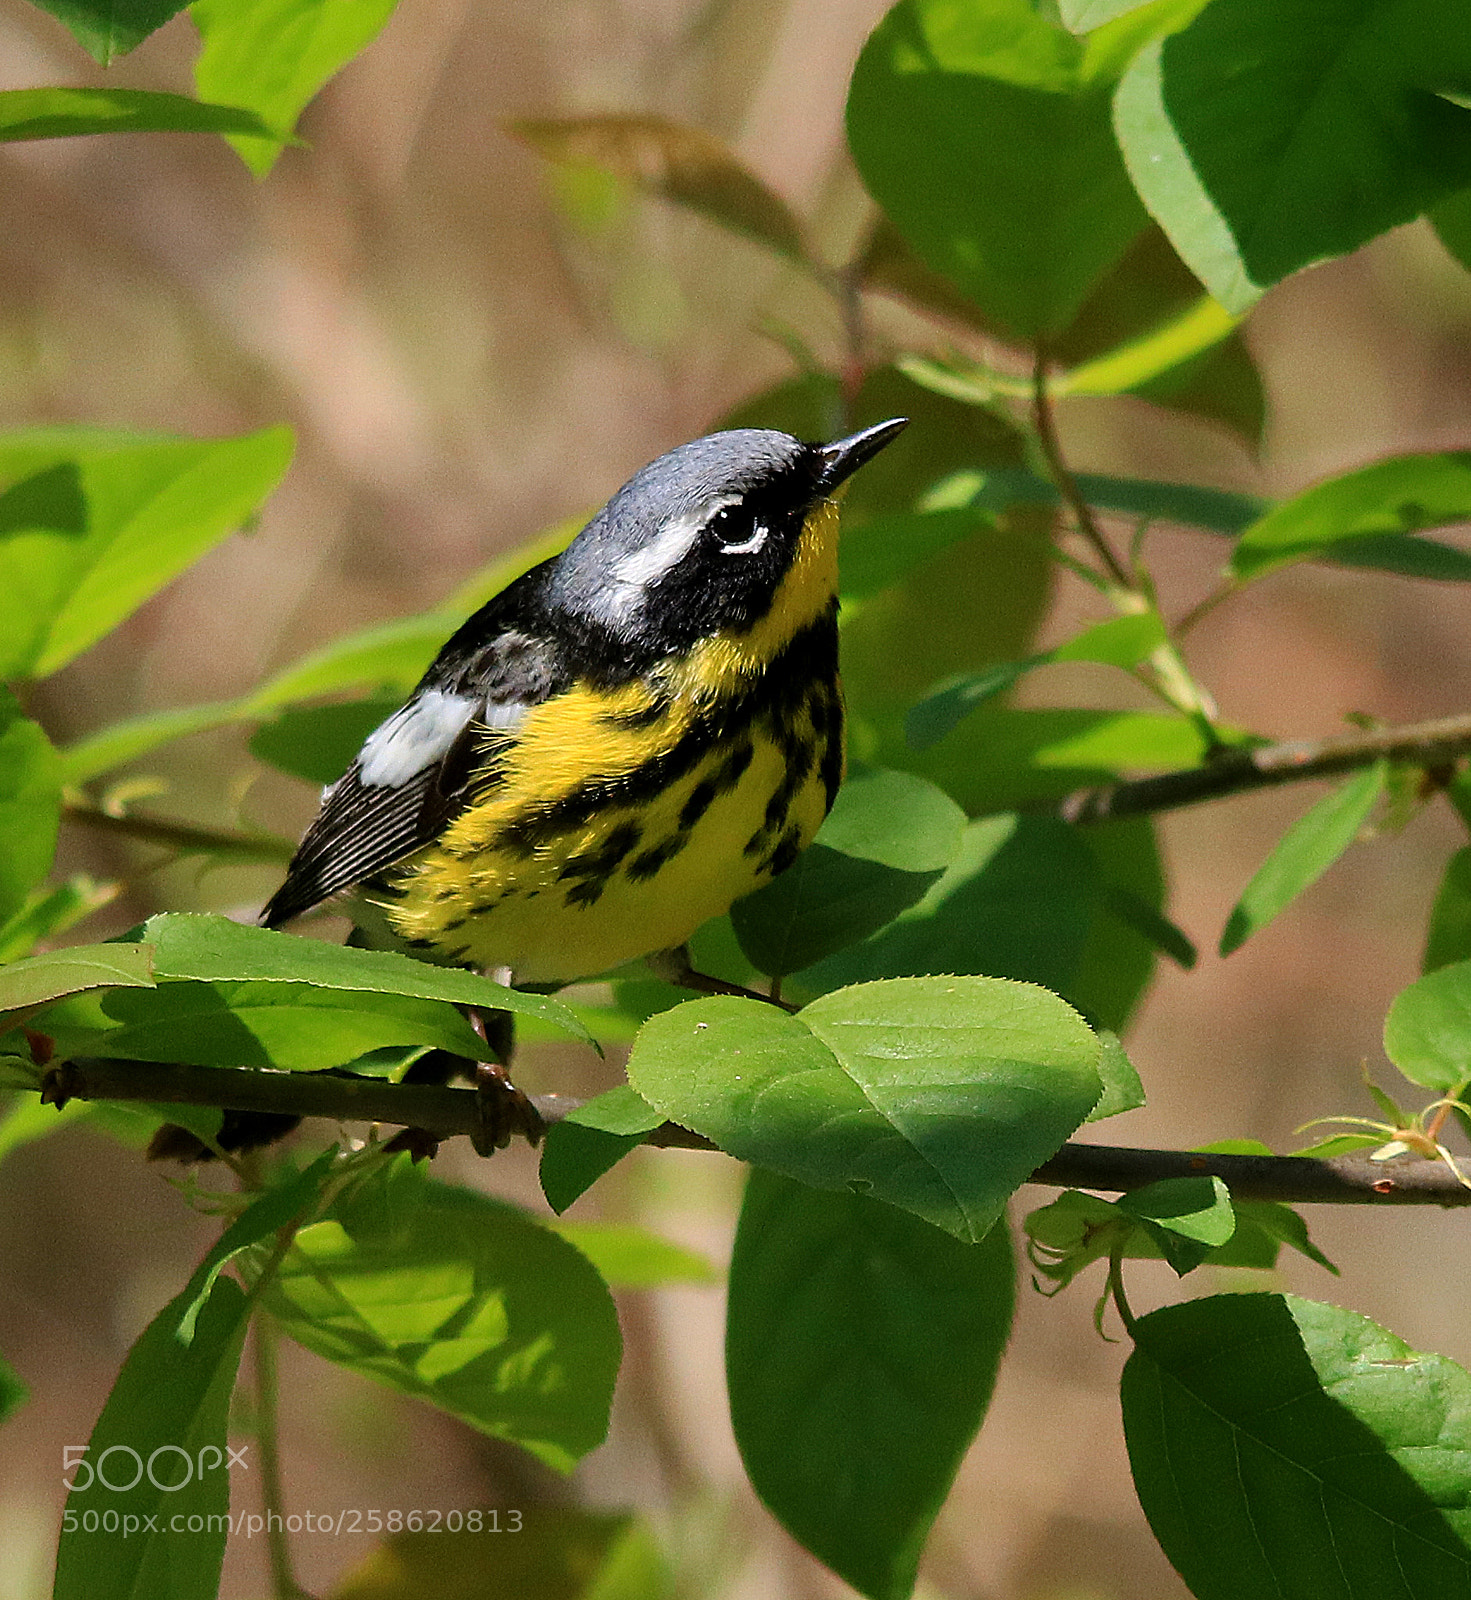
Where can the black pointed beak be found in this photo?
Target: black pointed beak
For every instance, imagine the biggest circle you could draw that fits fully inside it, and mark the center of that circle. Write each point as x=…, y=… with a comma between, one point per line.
x=843, y=457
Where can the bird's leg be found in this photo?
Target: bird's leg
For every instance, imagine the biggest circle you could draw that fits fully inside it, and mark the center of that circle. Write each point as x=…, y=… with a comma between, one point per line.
x=504, y=1110
x=674, y=966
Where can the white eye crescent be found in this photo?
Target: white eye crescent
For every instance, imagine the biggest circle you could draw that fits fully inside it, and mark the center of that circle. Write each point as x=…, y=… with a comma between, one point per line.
x=749, y=545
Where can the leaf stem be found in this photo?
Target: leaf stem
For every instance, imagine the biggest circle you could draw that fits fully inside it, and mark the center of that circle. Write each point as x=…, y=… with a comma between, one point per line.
x=267, y=1341
x=1045, y=424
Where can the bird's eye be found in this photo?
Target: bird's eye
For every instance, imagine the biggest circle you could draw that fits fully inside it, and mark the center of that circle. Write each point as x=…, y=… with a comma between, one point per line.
x=734, y=534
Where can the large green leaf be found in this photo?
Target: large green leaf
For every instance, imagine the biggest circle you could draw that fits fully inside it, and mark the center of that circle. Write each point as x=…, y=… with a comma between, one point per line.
x=888, y=838
x=938, y=1095
x=162, y=1434
x=64, y=113
x=1449, y=936
x=54, y=974
x=1427, y=1032
x=318, y=743
x=1286, y=1450
x=1269, y=134
x=1398, y=496
x=215, y=950
x=460, y=1300
x=1017, y=901
x=983, y=131
x=91, y=525
x=273, y=55
x=860, y=1354
x=30, y=805
x=293, y=1026
x=1303, y=854
x=108, y=28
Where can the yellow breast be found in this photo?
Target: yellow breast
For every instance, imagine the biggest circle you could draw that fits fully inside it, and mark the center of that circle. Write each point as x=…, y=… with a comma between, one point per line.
x=622, y=820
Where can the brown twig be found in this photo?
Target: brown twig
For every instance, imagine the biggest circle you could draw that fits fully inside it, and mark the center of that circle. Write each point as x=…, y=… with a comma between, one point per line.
x=1062, y=477
x=176, y=835
x=1240, y=770
x=446, y=1112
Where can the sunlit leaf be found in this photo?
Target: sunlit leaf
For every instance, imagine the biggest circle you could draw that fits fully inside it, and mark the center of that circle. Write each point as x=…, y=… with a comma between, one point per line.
x=273, y=55
x=1269, y=134
x=63, y=113
x=937, y=1095
x=1303, y=854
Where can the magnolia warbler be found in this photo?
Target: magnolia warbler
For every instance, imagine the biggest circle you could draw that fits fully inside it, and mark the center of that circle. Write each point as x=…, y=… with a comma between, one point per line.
x=623, y=741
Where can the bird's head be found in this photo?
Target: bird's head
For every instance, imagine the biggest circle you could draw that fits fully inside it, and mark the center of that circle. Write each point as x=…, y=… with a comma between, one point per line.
x=700, y=540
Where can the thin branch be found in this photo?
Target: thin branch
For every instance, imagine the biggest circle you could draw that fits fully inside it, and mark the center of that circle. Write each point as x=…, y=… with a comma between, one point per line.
x=1063, y=479
x=176, y=835
x=443, y=1113
x=1238, y=771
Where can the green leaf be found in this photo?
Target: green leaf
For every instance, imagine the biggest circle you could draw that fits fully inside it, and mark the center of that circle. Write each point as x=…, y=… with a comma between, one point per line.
x=165, y=1425
x=1427, y=1032
x=590, y=1141
x=888, y=838
x=1396, y=497
x=56, y=973
x=216, y=950
x=319, y=743
x=675, y=162
x=92, y=525
x=13, y=1393
x=1285, y=1450
x=1150, y=924
x=633, y=1258
x=273, y=55
x=30, y=805
x=1119, y=642
x=1187, y=1217
x=292, y=1026
x=47, y=912
x=861, y=1351
x=1304, y=853
x=29, y=1118
x=937, y=1095
x=460, y=1300
x=63, y=113
x=1269, y=134
x=121, y=742
x=983, y=132
x=390, y=655
x=1276, y=1223
x=1018, y=901
x=1118, y=961
x=554, y=1553
x=1449, y=937
x=108, y=28
x=1122, y=1090
x=880, y=552
x=1451, y=220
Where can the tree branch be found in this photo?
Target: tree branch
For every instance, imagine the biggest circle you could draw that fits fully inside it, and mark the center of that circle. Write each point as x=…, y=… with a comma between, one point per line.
x=442, y=1113
x=182, y=836
x=1238, y=771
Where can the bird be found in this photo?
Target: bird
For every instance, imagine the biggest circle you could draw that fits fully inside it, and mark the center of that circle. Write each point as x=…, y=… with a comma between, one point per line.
x=622, y=742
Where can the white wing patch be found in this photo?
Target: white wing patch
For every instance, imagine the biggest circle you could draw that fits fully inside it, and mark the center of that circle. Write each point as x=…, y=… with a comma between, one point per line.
x=415, y=737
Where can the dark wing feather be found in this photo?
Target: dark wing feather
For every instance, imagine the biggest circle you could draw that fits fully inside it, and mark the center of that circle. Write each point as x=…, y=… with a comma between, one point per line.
x=503, y=658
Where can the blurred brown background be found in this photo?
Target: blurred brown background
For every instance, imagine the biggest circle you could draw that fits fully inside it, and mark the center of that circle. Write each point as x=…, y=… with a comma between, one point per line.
x=465, y=364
